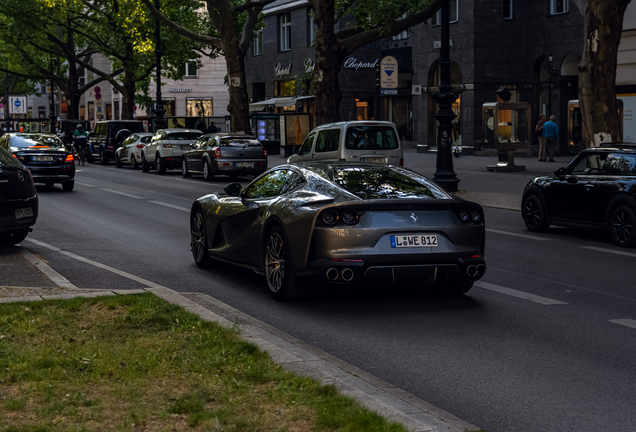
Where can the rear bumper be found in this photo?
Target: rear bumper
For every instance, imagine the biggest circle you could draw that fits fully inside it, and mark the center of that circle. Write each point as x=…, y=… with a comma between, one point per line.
x=229, y=167
x=55, y=174
x=8, y=223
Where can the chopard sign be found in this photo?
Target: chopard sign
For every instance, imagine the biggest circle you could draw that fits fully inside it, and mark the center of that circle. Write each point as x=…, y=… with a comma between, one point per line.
x=279, y=70
x=353, y=63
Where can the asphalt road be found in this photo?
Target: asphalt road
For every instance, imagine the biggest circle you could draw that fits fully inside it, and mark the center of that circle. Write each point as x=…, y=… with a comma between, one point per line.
x=533, y=348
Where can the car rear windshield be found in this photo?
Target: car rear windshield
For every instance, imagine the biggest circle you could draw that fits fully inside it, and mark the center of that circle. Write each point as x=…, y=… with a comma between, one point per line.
x=371, y=137
x=385, y=182
x=239, y=142
x=25, y=141
x=183, y=136
x=7, y=159
x=145, y=139
x=132, y=126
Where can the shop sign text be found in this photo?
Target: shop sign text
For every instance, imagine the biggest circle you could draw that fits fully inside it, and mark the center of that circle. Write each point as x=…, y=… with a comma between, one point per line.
x=438, y=44
x=353, y=63
x=279, y=70
x=180, y=90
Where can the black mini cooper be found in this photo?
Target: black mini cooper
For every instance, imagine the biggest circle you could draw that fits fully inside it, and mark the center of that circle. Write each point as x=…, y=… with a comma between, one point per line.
x=596, y=190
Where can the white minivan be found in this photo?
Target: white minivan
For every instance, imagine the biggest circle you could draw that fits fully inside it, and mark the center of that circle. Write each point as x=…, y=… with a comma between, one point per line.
x=353, y=141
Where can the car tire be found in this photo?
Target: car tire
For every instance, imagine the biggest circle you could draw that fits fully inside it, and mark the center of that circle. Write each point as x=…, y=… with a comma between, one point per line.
x=207, y=171
x=103, y=158
x=199, y=241
x=117, y=161
x=133, y=162
x=89, y=158
x=160, y=165
x=281, y=280
x=13, y=238
x=533, y=214
x=622, y=226
x=184, y=170
x=145, y=167
x=68, y=186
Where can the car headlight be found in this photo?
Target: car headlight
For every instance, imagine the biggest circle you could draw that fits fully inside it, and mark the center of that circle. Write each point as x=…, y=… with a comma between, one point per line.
x=350, y=217
x=329, y=217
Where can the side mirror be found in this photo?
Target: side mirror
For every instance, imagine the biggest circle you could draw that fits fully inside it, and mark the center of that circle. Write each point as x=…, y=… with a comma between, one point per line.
x=560, y=173
x=295, y=149
x=233, y=189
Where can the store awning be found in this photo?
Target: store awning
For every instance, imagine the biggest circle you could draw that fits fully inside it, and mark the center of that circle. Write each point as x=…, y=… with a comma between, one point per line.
x=279, y=102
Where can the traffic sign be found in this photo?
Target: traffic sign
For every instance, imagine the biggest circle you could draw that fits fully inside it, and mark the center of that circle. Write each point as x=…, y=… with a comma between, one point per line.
x=389, y=73
x=98, y=96
x=17, y=105
x=97, y=89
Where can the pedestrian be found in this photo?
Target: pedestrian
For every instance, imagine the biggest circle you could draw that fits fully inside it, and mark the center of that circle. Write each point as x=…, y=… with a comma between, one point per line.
x=551, y=133
x=538, y=131
x=201, y=126
x=212, y=128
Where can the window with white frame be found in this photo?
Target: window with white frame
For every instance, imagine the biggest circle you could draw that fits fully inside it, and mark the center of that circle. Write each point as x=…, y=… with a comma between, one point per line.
x=312, y=26
x=285, y=32
x=507, y=9
x=258, y=43
x=453, y=14
x=559, y=6
x=43, y=89
x=190, y=69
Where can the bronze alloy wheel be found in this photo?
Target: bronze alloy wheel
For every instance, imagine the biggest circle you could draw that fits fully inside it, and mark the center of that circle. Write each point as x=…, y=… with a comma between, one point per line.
x=280, y=277
x=533, y=214
x=199, y=241
x=622, y=227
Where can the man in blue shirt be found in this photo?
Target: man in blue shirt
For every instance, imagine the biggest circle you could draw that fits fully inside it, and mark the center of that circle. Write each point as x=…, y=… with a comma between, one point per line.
x=551, y=133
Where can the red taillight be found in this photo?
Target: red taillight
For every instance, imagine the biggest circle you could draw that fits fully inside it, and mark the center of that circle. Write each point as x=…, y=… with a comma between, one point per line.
x=264, y=152
x=141, y=145
x=401, y=162
x=69, y=158
x=15, y=155
x=217, y=152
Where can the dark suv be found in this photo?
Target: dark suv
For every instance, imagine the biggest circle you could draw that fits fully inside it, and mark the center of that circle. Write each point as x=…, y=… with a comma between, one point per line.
x=102, y=143
x=595, y=190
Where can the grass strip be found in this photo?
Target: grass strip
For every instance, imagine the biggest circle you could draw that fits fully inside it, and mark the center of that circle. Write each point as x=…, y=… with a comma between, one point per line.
x=136, y=362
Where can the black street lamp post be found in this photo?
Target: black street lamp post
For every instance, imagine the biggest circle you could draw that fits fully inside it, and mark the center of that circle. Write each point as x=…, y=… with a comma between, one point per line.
x=7, y=117
x=445, y=175
x=52, y=115
x=159, y=109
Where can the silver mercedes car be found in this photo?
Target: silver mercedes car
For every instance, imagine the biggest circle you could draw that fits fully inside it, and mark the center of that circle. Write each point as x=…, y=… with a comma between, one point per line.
x=342, y=224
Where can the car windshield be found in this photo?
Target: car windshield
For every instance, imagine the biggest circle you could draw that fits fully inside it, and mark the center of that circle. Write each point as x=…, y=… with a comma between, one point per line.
x=385, y=182
x=183, y=136
x=239, y=142
x=35, y=141
x=7, y=159
x=371, y=137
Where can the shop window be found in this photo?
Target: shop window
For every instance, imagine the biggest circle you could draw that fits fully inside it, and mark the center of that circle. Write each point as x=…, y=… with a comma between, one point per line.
x=284, y=33
x=311, y=25
x=199, y=107
x=41, y=112
x=258, y=92
x=453, y=15
x=559, y=6
x=169, y=105
x=258, y=43
x=507, y=9
x=284, y=88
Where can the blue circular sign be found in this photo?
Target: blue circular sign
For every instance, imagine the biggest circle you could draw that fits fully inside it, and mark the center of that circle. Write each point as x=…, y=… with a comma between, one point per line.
x=17, y=103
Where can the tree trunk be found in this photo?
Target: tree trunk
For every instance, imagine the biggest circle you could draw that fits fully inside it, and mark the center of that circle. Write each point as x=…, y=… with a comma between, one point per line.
x=128, y=95
x=239, y=101
x=329, y=58
x=597, y=71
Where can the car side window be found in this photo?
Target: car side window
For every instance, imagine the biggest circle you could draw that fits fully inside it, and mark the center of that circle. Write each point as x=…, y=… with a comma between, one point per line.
x=589, y=164
x=619, y=165
x=131, y=139
x=328, y=140
x=270, y=185
x=306, y=147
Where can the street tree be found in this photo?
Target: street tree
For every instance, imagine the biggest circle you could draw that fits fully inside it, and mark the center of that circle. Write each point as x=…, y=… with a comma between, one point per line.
x=367, y=21
x=597, y=70
x=232, y=26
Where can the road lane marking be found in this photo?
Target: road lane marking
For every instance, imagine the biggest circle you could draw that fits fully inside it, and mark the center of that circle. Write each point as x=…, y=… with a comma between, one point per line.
x=626, y=322
x=594, y=248
x=121, y=193
x=496, y=231
x=519, y=294
x=84, y=184
x=172, y=206
x=97, y=264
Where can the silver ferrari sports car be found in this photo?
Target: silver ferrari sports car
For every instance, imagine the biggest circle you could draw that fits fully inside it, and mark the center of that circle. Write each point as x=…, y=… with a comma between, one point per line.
x=342, y=224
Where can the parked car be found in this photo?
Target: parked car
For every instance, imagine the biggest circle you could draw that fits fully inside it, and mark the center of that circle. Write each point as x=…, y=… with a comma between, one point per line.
x=102, y=143
x=18, y=200
x=225, y=154
x=596, y=190
x=68, y=127
x=354, y=141
x=130, y=151
x=165, y=149
x=342, y=224
x=46, y=157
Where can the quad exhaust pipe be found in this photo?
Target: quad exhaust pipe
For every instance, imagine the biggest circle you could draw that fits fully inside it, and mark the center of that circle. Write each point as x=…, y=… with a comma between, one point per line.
x=476, y=270
x=347, y=275
x=333, y=274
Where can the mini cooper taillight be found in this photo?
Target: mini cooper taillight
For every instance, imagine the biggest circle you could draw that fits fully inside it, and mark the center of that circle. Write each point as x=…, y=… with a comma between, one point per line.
x=350, y=217
x=329, y=217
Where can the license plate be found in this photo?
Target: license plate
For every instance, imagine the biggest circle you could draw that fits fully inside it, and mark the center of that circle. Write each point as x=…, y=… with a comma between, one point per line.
x=419, y=240
x=23, y=213
x=43, y=158
x=244, y=164
x=375, y=159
